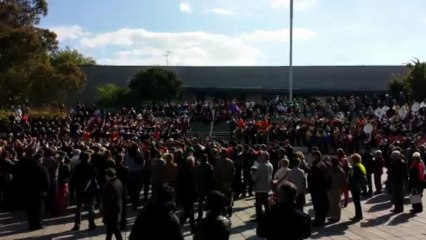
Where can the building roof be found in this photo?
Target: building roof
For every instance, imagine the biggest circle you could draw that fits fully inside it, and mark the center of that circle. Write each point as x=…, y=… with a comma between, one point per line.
x=258, y=78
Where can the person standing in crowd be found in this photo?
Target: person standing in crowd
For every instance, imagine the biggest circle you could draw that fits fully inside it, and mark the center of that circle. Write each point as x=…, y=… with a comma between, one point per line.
x=367, y=161
x=398, y=178
x=317, y=183
x=378, y=164
x=52, y=166
x=86, y=189
x=214, y=226
x=170, y=171
x=285, y=220
x=134, y=160
x=248, y=157
x=237, y=184
x=357, y=181
x=416, y=181
x=186, y=191
x=298, y=178
x=345, y=165
x=224, y=171
x=336, y=185
x=147, y=174
x=157, y=219
x=288, y=149
x=112, y=204
x=33, y=182
x=262, y=177
x=64, y=173
x=123, y=175
x=158, y=167
x=283, y=171
x=203, y=182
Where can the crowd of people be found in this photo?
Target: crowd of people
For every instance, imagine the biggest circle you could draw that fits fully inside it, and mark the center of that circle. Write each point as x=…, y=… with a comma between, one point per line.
x=107, y=160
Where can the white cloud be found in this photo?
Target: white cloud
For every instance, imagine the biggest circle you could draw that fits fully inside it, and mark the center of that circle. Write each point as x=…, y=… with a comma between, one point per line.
x=185, y=7
x=222, y=11
x=282, y=35
x=298, y=4
x=65, y=33
x=141, y=47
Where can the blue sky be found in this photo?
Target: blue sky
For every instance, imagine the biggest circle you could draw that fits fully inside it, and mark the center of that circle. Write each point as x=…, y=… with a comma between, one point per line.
x=241, y=32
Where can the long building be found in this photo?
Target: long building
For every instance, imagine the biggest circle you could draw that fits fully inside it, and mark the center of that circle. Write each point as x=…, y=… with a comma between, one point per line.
x=254, y=83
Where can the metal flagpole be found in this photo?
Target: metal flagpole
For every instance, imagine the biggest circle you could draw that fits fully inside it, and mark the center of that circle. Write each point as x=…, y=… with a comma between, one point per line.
x=291, y=54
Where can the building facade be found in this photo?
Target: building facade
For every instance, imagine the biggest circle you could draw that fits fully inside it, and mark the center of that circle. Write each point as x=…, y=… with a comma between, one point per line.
x=253, y=83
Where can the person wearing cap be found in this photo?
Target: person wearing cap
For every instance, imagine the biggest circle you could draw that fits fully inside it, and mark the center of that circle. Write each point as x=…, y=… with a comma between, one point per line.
x=214, y=226
x=112, y=204
x=416, y=181
x=398, y=177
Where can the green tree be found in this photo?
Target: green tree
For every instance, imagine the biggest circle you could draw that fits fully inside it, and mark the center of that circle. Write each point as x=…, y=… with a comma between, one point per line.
x=416, y=79
x=31, y=68
x=70, y=55
x=397, y=85
x=156, y=84
x=110, y=95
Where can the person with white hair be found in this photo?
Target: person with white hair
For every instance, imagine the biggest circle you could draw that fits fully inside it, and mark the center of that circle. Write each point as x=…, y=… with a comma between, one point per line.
x=416, y=182
x=262, y=177
x=398, y=177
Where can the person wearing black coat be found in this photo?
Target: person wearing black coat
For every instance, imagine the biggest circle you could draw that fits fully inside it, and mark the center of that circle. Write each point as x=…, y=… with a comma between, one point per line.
x=285, y=220
x=398, y=177
x=33, y=181
x=112, y=204
x=186, y=191
x=214, y=226
x=84, y=180
x=367, y=161
x=124, y=175
x=157, y=220
x=203, y=182
x=317, y=183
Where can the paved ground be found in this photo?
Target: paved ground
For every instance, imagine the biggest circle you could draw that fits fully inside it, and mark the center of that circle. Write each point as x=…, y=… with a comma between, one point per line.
x=378, y=224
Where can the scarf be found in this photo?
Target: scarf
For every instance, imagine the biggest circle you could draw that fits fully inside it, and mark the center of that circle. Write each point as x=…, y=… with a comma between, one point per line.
x=420, y=170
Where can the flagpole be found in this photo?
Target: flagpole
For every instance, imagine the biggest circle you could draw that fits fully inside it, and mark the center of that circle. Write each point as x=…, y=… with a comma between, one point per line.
x=291, y=53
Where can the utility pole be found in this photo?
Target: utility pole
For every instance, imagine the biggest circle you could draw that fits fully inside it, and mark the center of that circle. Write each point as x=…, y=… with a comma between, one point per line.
x=291, y=54
x=167, y=57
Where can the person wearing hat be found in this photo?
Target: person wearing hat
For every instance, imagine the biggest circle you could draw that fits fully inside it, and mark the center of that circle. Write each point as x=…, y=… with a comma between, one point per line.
x=112, y=204
x=416, y=181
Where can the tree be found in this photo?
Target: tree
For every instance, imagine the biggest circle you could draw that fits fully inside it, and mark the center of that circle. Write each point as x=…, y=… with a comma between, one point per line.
x=156, y=84
x=412, y=84
x=110, y=95
x=31, y=68
x=398, y=85
x=70, y=55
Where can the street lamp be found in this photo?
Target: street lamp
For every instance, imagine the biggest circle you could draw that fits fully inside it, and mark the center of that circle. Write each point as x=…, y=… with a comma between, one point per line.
x=291, y=54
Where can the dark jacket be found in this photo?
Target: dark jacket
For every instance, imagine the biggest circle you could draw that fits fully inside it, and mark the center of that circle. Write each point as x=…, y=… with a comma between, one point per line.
x=123, y=174
x=213, y=228
x=398, y=173
x=83, y=173
x=185, y=183
x=32, y=179
x=112, y=202
x=317, y=177
x=204, y=178
x=378, y=165
x=285, y=221
x=157, y=221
